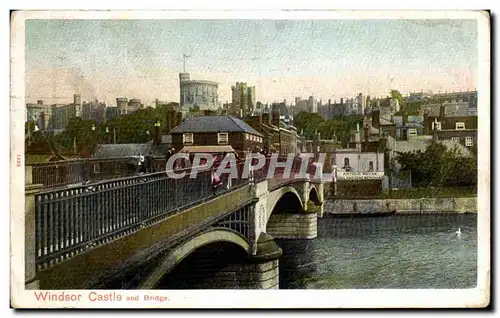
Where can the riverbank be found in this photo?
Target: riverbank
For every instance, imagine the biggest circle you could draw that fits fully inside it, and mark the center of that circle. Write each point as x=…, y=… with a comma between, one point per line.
x=401, y=206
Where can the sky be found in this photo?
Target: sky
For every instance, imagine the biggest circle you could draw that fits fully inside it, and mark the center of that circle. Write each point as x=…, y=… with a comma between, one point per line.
x=328, y=59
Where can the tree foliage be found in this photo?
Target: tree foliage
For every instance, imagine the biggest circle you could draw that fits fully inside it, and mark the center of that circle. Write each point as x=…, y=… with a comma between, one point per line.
x=340, y=127
x=138, y=127
x=439, y=166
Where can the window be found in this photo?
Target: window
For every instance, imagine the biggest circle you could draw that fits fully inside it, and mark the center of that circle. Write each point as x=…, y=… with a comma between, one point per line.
x=412, y=132
x=187, y=138
x=97, y=168
x=469, y=141
x=455, y=139
x=222, y=138
x=459, y=126
x=247, y=136
x=370, y=166
x=436, y=125
x=346, y=162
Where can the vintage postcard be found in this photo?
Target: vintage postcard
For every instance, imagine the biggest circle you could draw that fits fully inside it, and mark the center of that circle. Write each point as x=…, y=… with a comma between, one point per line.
x=247, y=159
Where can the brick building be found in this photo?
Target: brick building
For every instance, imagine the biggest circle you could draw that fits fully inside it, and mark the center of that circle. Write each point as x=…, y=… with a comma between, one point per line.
x=461, y=129
x=278, y=137
x=216, y=131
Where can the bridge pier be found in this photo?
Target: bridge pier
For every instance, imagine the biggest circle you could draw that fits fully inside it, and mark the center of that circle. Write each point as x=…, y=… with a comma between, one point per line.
x=294, y=226
x=260, y=271
x=29, y=231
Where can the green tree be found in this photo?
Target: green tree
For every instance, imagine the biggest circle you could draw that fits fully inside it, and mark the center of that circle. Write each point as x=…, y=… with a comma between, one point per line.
x=439, y=166
x=194, y=109
x=308, y=123
x=395, y=94
x=78, y=131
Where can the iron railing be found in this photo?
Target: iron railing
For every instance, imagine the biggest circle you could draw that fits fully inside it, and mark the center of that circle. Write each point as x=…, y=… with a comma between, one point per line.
x=72, y=220
x=62, y=173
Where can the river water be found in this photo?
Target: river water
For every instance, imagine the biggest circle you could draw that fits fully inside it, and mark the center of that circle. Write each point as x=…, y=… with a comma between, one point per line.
x=412, y=251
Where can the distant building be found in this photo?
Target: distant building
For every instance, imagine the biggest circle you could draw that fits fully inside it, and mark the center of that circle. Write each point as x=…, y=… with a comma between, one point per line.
x=460, y=129
x=94, y=110
x=62, y=114
x=309, y=105
x=37, y=113
x=418, y=96
x=469, y=97
x=384, y=125
x=278, y=136
x=111, y=112
x=243, y=100
x=357, y=173
x=122, y=105
x=408, y=126
x=353, y=160
x=361, y=100
x=452, y=108
x=197, y=93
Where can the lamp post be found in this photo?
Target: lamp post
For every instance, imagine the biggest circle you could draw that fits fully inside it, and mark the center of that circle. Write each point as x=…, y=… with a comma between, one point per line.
x=157, y=126
x=94, y=139
x=114, y=134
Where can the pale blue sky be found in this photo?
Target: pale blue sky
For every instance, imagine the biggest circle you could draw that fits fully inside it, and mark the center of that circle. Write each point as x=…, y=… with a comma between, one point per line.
x=282, y=58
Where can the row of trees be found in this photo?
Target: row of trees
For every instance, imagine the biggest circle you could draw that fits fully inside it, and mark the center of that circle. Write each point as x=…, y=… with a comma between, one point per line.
x=340, y=127
x=142, y=126
x=439, y=166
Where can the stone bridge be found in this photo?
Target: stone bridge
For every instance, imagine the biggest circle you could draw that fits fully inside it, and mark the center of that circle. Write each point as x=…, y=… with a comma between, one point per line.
x=147, y=232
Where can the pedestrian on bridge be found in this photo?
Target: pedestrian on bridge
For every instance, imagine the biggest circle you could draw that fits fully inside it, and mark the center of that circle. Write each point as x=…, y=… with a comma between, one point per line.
x=140, y=163
x=149, y=163
x=169, y=154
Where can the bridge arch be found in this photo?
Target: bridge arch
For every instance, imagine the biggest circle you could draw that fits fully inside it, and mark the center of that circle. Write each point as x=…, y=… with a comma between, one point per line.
x=175, y=257
x=286, y=197
x=314, y=196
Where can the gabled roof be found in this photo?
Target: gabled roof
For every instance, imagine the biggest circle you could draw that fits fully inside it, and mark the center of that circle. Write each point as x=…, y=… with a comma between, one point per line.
x=224, y=123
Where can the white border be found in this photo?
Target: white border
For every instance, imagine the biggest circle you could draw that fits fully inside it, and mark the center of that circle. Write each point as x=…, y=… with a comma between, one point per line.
x=259, y=299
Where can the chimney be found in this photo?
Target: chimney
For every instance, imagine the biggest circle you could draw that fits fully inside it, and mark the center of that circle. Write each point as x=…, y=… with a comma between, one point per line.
x=168, y=121
x=265, y=118
x=441, y=113
x=405, y=134
x=178, y=118
x=426, y=129
x=39, y=102
x=77, y=99
x=366, y=128
x=376, y=118
x=342, y=101
x=276, y=118
x=260, y=121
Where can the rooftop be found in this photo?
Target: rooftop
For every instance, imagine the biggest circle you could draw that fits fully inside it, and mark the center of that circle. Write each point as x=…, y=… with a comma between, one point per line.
x=212, y=124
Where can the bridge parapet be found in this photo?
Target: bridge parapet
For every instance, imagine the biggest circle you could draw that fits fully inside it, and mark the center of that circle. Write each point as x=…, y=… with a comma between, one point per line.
x=30, y=191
